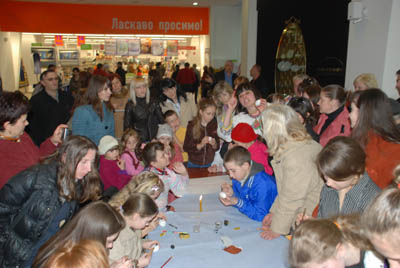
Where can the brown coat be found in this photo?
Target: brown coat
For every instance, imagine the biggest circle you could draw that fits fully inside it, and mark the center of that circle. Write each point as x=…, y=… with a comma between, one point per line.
x=119, y=101
x=298, y=181
x=206, y=154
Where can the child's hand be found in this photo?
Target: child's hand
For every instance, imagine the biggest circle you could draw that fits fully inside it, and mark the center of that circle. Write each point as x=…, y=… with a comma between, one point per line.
x=212, y=169
x=124, y=262
x=227, y=188
x=231, y=145
x=144, y=260
x=121, y=164
x=232, y=104
x=179, y=168
x=301, y=217
x=229, y=201
x=212, y=142
x=161, y=216
x=267, y=220
x=149, y=244
x=152, y=226
x=269, y=234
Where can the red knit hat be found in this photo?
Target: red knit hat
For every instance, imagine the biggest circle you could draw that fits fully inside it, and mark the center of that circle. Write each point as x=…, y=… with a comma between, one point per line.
x=243, y=133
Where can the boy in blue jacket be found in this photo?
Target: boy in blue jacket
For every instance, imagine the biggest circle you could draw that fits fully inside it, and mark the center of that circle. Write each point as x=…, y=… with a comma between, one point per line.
x=252, y=191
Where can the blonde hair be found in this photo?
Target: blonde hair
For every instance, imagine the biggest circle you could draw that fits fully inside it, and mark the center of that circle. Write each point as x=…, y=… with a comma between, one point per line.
x=280, y=125
x=86, y=253
x=146, y=182
x=367, y=79
x=316, y=240
x=382, y=217
x=219, y=88
x=135, y=83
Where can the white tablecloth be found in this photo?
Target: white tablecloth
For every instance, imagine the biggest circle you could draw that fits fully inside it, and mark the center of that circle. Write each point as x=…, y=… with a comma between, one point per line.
x=205, y=249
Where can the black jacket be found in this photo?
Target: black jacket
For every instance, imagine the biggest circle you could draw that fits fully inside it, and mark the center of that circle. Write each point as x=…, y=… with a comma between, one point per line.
x=46, y=114
x=28, y=204
x=143, y=117
x=220, y=76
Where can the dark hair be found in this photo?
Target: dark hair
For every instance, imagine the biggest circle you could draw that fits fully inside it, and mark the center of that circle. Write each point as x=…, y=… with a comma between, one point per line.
x=149, y=153
x=68, y=156
x=187, y=64
x=375, y=114
x=341, y=158
x=75, y=69
x=169, y=113
x=335, y=92
x=141, y=204
x=99, y=66
x=168, y=83
x=12, y=106
x=96, y=221
x=314, y=93
x=44, y=74
x=84, y=78
x=306, y=83
x=119, y=63
x=238, y=155
x=398, y=72
x=303, y=107
x=91, y=97
x=243, y=87
x=50, y=66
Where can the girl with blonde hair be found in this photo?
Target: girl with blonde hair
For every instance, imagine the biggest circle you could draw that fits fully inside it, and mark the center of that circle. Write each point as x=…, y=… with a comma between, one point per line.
x=298, y=181
x=365, y=81
x=142, y=113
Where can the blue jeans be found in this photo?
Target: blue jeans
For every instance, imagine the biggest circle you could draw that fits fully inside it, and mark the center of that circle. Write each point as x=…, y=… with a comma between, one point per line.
x=191, y=165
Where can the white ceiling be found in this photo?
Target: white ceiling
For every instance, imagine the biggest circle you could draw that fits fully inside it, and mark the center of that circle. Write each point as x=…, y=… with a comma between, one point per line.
x=203, y=3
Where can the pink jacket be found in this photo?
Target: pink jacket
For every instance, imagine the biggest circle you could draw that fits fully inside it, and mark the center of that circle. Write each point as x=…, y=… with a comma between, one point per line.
x=259, y=154
x=130, y=160
x=111, y=175
x=339, y=127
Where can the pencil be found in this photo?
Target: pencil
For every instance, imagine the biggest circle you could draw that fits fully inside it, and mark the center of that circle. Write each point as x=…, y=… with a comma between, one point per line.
x=165, y=263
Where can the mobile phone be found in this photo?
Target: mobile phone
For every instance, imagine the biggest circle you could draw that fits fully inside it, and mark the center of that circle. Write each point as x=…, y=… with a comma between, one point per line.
x=65, y=134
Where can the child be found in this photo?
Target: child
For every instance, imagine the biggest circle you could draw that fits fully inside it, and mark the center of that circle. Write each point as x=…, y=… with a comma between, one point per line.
x=164, y=135
x=382, y=222
x=172, y=119
x=131, y=142
x=112, y=169
x=201, y=141
x=338, y=243
x=252, y=191
x=244, y=135
x=157, y=162
x=348, y=188
x=138, y=211
x=307, y=116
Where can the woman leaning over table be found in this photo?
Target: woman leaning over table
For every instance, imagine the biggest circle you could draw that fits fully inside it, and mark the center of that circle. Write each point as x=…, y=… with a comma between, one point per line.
x=298, y=181
x=36, y=203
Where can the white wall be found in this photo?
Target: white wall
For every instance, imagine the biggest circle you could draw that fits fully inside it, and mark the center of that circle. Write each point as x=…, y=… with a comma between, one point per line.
x=10, y=44
x=249, y=36
x=374, y=44
x=225, y=34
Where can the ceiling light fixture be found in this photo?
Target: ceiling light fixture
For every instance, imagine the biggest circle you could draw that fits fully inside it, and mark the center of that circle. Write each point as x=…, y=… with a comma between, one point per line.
x=195, y=3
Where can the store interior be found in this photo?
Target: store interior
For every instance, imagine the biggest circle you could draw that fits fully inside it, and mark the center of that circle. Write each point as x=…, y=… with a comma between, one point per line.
x=138, y=53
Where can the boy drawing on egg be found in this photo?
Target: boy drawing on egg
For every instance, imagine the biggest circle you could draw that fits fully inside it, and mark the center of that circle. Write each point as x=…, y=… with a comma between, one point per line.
x=252, y=191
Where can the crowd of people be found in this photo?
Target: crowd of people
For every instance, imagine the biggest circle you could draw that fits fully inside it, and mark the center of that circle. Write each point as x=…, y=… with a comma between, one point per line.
x=87, y=173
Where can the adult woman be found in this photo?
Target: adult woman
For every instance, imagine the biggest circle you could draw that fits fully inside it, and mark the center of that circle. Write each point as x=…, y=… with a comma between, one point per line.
x=334, y=118
x=95, y=119
x=173, y=98
x=119, y=99
x=297, y=178
x=142, y=113
x=248, y=111
x=36, y=202
x=365, y=81
x=17, y=150
x=373, y=126
x=96, y=221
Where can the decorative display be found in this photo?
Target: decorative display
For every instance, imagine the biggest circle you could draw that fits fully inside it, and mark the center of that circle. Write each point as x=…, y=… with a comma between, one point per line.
x=122, y=47
x=172, y=47
x=145, y=46
x=58, y=40
x=110, y=47
x=290, y=57
x=134, y=47
x=80, y=40
x=157, y=47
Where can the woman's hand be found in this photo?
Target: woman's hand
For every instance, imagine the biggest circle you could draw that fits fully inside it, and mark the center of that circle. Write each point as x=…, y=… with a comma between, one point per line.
x=56, y=139
x=263, y=105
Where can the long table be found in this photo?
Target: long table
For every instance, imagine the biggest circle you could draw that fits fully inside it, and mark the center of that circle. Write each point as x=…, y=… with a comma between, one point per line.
x=205, y=249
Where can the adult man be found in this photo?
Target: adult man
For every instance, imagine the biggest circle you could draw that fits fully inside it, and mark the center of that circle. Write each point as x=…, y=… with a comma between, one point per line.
x=121, y=72
x=186, y=78
x=398, y=83
x=259, y=82
x=49, y=108
x=226, y=74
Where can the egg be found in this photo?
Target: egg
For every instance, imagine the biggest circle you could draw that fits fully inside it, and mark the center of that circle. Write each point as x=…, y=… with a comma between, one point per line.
x=222, y=195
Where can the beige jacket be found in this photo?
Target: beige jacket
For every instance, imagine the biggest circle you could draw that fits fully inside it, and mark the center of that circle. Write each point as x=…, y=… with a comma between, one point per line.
x=119, y=102
x=298, y=181
x=128, y=243
x=188, y=109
